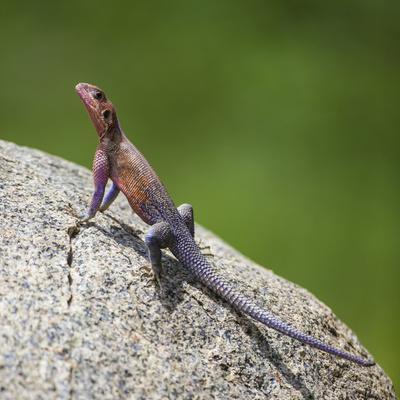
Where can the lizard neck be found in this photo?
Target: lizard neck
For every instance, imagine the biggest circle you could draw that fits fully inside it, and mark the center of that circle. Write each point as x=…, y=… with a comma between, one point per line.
x=112, y=137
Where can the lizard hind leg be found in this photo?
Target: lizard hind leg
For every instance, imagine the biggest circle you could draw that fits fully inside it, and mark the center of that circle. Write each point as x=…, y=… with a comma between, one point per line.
x=158, y=237
x=186, y=212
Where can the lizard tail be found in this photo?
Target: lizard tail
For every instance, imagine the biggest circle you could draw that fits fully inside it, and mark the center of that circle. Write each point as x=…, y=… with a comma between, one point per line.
x=203, y=271
x=247, y=306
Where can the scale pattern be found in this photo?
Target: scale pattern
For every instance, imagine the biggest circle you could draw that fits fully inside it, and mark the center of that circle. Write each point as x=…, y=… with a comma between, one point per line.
x=189, y=254
x=117, y=158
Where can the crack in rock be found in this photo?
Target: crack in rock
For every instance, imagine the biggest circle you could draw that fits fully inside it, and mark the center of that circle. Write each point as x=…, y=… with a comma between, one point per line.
x=72, y=233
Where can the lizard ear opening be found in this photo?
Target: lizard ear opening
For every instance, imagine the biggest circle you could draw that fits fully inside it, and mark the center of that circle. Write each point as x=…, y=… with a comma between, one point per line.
x=106, y=114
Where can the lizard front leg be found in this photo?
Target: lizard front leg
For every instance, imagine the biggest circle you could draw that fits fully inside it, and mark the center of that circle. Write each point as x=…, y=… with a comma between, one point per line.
x=158, y=237
x=100, y=178
x=110, y=197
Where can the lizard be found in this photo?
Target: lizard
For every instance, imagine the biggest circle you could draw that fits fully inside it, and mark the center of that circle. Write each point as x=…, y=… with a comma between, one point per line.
x=117, y=159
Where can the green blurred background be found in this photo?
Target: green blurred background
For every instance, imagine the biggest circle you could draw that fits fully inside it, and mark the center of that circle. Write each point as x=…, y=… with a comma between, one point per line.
x=278, y=120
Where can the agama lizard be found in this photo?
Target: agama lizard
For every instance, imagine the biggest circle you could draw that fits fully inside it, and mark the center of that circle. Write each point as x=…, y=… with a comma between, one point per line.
x=116, y=158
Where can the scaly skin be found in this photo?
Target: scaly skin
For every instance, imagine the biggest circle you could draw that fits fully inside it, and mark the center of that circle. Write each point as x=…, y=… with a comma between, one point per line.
x=116, y=158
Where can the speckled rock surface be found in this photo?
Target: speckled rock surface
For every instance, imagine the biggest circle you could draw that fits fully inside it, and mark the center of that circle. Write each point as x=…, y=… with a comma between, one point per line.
x=81, y=319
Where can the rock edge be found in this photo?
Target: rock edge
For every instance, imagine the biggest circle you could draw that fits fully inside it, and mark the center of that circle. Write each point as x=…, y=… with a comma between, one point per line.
x=80, y=317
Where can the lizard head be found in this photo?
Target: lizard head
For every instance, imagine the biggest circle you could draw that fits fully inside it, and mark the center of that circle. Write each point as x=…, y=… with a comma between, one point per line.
x=100, y=109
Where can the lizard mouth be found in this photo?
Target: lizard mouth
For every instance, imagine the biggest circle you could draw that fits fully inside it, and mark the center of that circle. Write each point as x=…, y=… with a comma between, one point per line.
x=82, y=89
x=85, y=91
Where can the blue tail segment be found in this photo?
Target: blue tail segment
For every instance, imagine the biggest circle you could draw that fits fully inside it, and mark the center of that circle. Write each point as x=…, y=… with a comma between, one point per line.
x=188, y=253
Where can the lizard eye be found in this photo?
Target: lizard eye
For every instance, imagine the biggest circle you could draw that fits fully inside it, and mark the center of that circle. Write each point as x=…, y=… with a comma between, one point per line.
x=106, y=114
x=98, y=95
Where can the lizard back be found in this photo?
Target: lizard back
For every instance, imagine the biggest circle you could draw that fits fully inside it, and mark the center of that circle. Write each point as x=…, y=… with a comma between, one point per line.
x=134, y=176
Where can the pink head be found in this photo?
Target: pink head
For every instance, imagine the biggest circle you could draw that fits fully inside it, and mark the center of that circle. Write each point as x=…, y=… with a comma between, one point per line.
x=101, y=111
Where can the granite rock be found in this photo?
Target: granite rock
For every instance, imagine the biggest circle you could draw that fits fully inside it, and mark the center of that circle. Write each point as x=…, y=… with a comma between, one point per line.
x=81, y=318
